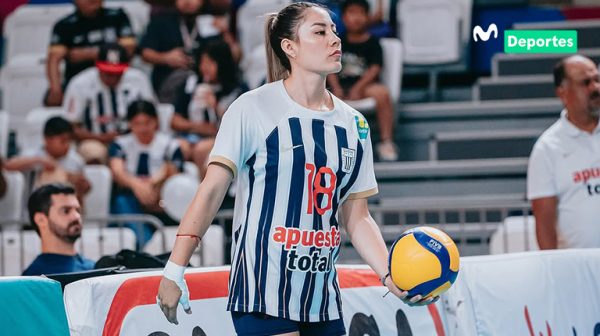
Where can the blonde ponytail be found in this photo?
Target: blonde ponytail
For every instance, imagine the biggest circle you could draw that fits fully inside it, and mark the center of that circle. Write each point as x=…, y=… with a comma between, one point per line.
x=275, y=69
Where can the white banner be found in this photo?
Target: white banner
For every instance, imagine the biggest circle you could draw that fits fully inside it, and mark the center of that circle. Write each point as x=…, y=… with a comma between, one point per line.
x=535, y=293
x=126, y=305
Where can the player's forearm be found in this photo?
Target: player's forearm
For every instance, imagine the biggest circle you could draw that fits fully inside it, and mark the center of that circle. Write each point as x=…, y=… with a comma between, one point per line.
x=366, y=237
x=201, y=212
x=369, y=244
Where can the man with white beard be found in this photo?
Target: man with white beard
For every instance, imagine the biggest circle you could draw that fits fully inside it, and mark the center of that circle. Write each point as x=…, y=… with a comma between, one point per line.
x=563, y=178
x=55, y=214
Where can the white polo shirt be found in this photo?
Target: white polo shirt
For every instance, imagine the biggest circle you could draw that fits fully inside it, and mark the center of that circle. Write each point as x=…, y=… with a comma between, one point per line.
x=565, y=162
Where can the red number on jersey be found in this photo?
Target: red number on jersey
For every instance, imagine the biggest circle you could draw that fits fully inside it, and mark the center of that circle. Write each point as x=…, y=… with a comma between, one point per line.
x=315, y=188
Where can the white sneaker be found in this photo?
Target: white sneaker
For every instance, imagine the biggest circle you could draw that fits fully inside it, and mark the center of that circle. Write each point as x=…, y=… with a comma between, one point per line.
x=387, y=151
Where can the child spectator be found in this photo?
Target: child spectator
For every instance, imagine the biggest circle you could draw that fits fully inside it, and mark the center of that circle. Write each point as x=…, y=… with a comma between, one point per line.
x=362, y=59
x=141, y=162
x=56, y=161
x=203, y=99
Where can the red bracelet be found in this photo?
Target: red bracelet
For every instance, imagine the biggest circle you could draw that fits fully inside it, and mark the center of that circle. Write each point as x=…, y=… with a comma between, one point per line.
x=188, y=235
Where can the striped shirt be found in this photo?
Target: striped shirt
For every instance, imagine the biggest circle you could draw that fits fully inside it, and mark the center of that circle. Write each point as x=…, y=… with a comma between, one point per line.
x=294, y=166
x=146, y=160
x=101, y=109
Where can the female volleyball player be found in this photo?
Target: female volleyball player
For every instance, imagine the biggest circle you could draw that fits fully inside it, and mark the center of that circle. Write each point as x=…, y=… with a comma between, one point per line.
x=299, y=154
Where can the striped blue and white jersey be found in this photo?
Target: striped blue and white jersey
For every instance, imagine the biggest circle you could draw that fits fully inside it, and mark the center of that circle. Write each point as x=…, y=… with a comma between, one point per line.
x=100, y=109
x=295, y=166
x=146, y=160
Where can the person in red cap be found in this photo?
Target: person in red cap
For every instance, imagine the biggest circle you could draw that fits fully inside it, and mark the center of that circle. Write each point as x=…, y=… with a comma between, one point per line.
x=96, y=100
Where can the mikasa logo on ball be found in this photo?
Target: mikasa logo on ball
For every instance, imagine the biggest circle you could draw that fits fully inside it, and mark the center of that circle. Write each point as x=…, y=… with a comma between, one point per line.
x=434, y=245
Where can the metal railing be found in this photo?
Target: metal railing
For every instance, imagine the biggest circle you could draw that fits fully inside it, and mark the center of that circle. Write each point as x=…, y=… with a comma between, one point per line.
x=470, y=222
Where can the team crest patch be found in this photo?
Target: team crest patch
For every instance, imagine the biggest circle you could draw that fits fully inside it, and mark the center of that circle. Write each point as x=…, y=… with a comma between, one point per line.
x=348, y=159
x=363, y=127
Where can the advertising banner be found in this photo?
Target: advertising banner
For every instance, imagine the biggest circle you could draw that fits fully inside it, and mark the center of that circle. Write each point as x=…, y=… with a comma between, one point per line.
x=534, y=293
x=126, y=305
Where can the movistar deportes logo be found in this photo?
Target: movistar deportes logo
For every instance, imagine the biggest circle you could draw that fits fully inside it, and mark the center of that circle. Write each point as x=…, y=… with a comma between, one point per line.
x=485, y=35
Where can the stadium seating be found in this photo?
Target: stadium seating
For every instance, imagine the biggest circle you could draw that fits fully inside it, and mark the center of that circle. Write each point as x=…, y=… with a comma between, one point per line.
x=251, y=22
x=27, y=30
x=23, y=83
x=19, y=248
x=4, y=127
x=97, y=201
x=516, y=234
x=532, y=64
x=31, y=132
x=165, y=114
x=12, y=204
x=137, y=11
x=211, y=248
x=430, y=34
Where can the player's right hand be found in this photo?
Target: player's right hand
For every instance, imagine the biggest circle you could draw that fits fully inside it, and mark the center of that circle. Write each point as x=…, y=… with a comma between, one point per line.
x=173, y=291
x=414, y=301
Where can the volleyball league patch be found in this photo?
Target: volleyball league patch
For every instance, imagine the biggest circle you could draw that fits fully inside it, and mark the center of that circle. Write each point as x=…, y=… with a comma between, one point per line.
x=363, y=127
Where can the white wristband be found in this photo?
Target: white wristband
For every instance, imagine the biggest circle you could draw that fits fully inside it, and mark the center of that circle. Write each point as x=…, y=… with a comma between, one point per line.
x=173, y=271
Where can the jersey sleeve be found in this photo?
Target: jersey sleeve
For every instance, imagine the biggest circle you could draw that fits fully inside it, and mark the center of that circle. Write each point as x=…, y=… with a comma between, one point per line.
x=540, y=174
x=174, y=155
x=115, y=150
x=60, y=36
x=365, y=184
x=236, y=140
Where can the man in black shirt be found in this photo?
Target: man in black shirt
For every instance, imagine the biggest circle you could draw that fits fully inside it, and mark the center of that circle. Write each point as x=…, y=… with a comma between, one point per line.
x=77, y=37
x=362, y=60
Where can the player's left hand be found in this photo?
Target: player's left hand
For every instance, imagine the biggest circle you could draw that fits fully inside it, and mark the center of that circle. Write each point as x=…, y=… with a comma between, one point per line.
x=414, y=301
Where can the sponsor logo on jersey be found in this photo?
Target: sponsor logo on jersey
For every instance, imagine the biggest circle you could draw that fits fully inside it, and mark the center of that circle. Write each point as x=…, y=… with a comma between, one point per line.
x=363, y=127
x=293, y=238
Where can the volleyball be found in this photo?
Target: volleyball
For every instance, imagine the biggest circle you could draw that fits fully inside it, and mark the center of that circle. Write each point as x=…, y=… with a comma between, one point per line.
x=424, y=261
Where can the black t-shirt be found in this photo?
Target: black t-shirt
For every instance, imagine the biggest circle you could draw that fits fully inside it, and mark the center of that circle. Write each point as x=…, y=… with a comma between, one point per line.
x=75, y=31
x=164, y=33
x=357, y=58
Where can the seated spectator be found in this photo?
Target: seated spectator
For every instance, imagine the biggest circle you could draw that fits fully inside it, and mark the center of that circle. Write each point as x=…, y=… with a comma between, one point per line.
x=96, y=100
x=141, y=162
x=202, y=101
x=362, y=59
x=171, y=40
x=55, y=214
x=55, y=161
x=77, y=38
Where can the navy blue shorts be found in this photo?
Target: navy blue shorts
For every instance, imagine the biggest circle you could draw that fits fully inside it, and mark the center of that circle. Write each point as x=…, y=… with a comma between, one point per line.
x=259, y=324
